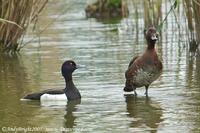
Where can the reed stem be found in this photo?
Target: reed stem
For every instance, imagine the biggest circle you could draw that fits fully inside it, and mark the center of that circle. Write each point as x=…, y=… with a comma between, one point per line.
x=15, y=17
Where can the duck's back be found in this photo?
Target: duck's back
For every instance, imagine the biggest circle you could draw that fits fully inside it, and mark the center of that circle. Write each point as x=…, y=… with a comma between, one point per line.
x=38, y=95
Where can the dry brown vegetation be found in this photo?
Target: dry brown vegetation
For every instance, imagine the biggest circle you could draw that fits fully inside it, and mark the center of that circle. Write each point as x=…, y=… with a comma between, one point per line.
x=15, y=17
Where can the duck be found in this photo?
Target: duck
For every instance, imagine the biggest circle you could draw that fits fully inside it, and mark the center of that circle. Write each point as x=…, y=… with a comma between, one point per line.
x=145, y=69
x=70, y=92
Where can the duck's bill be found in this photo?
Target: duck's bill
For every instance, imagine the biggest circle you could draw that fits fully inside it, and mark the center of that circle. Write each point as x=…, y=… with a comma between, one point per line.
x=154, y=38
x=80, y=66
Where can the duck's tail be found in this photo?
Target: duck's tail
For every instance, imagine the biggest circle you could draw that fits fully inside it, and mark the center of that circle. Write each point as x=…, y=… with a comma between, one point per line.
x=128, y=87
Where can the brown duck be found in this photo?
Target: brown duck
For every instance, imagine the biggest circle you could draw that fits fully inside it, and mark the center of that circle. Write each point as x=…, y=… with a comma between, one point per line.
x=145, y=69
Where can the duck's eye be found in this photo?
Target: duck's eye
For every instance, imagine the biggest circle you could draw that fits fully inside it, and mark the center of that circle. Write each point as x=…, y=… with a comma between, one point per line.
x=71, y=63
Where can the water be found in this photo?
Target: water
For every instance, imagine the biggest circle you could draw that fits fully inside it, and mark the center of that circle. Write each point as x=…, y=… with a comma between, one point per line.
x=105, y=49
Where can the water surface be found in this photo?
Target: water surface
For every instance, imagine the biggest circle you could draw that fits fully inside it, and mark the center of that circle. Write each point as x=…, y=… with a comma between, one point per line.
x=105, y=49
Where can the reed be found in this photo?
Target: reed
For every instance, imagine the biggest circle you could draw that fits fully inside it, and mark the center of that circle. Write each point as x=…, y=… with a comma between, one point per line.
x=15, y=17
x=196, y=11
x=152, y=12
x=192, y=11
x=153, y=16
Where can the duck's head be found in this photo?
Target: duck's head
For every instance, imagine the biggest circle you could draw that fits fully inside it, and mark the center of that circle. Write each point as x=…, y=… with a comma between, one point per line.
x=151, y=35
x=68, y=68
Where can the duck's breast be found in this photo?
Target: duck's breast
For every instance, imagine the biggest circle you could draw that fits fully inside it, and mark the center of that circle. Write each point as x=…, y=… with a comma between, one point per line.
x=144, y=77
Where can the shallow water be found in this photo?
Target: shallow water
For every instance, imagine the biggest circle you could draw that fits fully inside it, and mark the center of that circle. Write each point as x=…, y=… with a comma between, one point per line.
x=105, y=49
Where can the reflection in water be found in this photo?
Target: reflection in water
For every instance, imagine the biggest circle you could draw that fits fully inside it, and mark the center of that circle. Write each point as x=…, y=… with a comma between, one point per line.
x=193, y=88
x=105, y=52
x=144, y=112
x=197, y=73
x=69, y=116
x=196, y=97
x=13, y=81
x=11, y=66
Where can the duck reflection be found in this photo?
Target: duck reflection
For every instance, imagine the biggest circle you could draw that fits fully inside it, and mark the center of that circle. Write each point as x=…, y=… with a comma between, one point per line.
x=144, y=112
x=69, y=116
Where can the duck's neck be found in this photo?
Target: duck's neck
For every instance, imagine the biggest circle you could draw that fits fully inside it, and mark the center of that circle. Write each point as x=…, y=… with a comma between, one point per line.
x=68, y=78
x=151, y=51
x=70, y=90
x=69, y=85
x=151, y=44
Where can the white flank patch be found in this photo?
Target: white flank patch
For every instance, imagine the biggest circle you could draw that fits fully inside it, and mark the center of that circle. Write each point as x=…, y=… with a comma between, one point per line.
x=53, y=103
x=50, y=97
x=49, y=100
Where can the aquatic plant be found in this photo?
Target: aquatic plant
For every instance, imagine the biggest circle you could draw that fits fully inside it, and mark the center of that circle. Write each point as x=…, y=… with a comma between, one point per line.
x=107, y=9
x=152, y=12
x=159, y=27
x=15, y=17
x=115, y=3
x=153, y=16
x=192, y=11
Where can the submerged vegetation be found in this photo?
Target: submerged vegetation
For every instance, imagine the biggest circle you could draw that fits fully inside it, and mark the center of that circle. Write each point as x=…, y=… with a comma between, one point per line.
x=15, y=17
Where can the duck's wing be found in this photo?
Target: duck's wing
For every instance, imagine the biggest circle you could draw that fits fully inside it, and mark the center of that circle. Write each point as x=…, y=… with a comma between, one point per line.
x=131, y=62
x=129, y=74
x=54, y=91
x=129, y=70
x=36, y=96
x=143, y=71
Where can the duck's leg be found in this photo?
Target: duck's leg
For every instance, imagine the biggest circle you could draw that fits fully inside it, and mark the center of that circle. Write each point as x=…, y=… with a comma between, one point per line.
x=134, y=89
x=135, y=92
x=146, y=90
